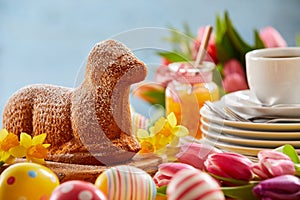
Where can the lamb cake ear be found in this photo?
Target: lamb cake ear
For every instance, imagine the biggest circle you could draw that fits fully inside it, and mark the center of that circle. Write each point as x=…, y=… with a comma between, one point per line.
x=90, y=124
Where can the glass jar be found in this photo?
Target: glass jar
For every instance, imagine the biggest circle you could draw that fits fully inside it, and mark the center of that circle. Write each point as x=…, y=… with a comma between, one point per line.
x=188, y=91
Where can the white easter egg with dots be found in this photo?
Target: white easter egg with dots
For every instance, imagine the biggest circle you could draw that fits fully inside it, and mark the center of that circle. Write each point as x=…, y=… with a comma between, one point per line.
x=28, y=181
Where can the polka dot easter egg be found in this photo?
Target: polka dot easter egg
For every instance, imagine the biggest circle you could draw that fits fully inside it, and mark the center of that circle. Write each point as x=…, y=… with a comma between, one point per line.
x=28, y=181
x=193, y=184
x=126, y=183
x=77, y=190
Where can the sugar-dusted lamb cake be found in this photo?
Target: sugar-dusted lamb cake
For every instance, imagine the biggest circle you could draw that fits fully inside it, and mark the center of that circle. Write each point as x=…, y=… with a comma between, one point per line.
x=90, y=124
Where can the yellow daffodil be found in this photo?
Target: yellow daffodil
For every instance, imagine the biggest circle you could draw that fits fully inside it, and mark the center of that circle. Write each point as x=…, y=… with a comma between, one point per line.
x=32, y=148
x=7, y=141
x=164, y=132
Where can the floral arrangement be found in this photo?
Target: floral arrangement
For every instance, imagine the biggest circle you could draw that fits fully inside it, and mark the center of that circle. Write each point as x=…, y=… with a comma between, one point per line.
x=32, y=148
x=273, y=176
x=165, y=131
x=226, y=49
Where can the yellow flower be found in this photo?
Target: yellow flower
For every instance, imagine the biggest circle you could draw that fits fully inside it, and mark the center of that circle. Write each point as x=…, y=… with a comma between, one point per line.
x=7, y=141
x=32, y=148
x=164, y=132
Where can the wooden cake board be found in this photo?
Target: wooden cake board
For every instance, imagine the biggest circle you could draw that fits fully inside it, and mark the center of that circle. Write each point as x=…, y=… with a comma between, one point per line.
x=89, y=173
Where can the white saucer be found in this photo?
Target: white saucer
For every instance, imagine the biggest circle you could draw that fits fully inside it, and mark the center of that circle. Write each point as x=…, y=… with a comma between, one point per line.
x=209, y=116
x=247, y=151
x=254, y=134
x=245, y=102
x=246, y=141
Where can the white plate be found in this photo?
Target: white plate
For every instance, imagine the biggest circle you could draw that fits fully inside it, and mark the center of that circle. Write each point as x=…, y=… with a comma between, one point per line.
x=208, y=116
x=248, y=142
x=245, y=102
x=288, y=135
x=248, y=151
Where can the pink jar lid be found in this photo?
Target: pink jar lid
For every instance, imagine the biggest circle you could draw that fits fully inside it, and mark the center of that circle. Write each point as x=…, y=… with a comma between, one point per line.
x=187, y=72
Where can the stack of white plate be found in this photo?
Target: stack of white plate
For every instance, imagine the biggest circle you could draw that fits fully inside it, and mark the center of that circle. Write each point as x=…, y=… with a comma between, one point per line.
x=248, y=138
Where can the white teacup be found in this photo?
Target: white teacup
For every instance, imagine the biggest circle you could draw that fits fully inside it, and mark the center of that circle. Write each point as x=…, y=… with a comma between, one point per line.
x=274, y=75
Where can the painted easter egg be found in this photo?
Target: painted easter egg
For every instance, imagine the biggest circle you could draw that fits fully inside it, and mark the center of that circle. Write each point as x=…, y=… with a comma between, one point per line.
x=193, y=184
x=77, y=190
x=126, y=183
x=28, y=181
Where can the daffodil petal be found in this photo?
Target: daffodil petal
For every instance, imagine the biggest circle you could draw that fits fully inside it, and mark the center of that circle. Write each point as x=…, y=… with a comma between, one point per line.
x=18, y=151
x=3, y=134
x=172, y=119
x=141, y=134
x=10, y=160
x=38, y=160
x=46, y=145
x=25, y=140
x=4, y=155
x=39, y=139
x=174, y=142
x=159, y=124
x=180, y=131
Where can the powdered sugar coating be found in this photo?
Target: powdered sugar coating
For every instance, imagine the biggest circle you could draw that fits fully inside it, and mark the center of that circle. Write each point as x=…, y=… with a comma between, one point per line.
x=90, y=124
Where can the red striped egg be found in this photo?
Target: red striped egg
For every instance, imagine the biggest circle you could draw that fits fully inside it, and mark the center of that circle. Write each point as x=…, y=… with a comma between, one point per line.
x=194, y=184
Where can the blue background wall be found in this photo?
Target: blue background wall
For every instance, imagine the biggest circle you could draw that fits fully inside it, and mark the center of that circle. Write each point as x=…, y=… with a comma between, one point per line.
x=48, y=41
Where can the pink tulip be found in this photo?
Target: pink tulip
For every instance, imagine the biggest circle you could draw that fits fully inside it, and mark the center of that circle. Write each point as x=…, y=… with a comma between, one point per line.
x=229, y=165
x=234, y=82
x=234, y=76
x=195, y=154
x=233, y=66
x=272, y=164
x=271, y=37
x=167, y=170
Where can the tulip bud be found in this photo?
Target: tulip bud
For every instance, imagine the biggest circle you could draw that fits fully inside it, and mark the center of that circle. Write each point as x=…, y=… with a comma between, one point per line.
x=152, y=93
x=166, y=171
x=273, y=163
x=229, y=165
x=285, y=187
x=195, y=154
x=271, y=37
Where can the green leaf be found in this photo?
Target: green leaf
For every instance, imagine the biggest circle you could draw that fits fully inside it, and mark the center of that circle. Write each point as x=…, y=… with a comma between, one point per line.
x=158, y=97
x=162, y=191
x=2, y=163
x=224, y=48
x=290, y=151
x=174, y=56
x=240, y=192
x=235, y=38
x=298, y=40
x=258, y=42
x=230, y=180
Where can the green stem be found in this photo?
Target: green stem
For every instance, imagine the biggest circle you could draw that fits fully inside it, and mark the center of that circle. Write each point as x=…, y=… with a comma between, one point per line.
x=2, y=163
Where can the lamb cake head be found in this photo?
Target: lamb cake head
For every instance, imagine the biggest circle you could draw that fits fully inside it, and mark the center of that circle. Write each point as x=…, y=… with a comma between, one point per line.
x=90, y=124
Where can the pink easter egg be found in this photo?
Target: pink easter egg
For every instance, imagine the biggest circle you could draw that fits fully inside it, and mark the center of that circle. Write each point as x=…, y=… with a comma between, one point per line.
x=77, y=190
x=193, y=184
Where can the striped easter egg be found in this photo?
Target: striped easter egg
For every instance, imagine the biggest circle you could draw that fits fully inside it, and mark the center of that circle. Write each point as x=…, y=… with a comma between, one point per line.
x=126, y=183
x=193, y=184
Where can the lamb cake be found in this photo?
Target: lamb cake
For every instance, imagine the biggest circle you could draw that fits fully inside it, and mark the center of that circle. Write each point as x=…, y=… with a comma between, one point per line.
x=87, y=125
